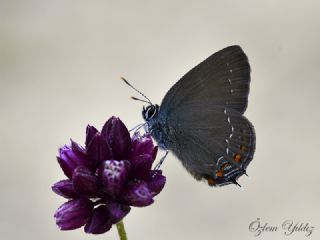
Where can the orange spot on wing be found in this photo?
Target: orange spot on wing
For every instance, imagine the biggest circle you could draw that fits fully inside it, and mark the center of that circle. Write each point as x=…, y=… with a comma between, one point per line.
x=211, y=181
x=224, y=166
x=237, y=157
x=219, y=174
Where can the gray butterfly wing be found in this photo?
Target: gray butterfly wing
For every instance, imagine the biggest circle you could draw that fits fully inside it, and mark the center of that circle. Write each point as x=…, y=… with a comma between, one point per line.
x=223, y=78
x=212, y=142
x=200, y=119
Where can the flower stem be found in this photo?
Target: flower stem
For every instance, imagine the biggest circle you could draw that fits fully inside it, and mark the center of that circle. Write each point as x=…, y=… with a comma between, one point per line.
x=121, y=231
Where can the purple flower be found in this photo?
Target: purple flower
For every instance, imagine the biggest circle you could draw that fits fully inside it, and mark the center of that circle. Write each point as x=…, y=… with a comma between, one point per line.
x=112, y=173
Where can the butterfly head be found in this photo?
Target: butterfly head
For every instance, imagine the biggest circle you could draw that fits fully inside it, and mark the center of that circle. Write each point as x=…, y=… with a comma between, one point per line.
x=150, y=112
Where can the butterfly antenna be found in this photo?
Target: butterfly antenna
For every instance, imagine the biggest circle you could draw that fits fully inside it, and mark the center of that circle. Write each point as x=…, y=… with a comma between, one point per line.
x=125, y=80
x=138, y=99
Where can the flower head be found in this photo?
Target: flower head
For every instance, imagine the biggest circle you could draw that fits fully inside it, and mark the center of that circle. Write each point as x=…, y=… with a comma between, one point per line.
x=111, y=174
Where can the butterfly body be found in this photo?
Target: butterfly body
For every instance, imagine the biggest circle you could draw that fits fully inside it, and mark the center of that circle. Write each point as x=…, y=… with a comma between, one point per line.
x=201, y=118
x=157, y=126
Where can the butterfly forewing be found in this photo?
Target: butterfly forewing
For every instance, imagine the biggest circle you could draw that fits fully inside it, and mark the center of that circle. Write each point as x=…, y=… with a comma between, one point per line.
x=223, y=78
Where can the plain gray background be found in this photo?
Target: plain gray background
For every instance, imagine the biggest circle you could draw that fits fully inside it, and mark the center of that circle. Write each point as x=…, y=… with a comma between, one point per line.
x=60, y=63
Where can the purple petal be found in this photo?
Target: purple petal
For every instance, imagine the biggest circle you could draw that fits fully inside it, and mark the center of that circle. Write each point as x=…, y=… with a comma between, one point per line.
x=141, y=145
x=154, y=152
x=77, y=148
x=73, y=214
x=65, y=189
x=70, y=159
x=99, y=150
x=113, y=175
x=156, y=182
x=117, y=211
x=90, y=133
x=137, y=194
x=85, y=182
x=141, y=166
x=99, y=222
x=116, y=133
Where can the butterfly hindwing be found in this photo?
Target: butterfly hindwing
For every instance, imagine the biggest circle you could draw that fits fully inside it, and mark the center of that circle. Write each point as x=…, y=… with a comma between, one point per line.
x=212, y=142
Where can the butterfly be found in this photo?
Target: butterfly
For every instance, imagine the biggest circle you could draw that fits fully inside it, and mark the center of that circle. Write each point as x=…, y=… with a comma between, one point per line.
x=200, y=119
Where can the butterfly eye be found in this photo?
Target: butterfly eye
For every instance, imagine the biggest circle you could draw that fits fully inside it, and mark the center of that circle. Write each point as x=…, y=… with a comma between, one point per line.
x=149, y=112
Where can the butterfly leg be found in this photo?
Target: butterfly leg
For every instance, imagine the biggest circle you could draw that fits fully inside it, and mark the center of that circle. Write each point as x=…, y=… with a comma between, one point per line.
x=136, y=128
x=157, y=167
